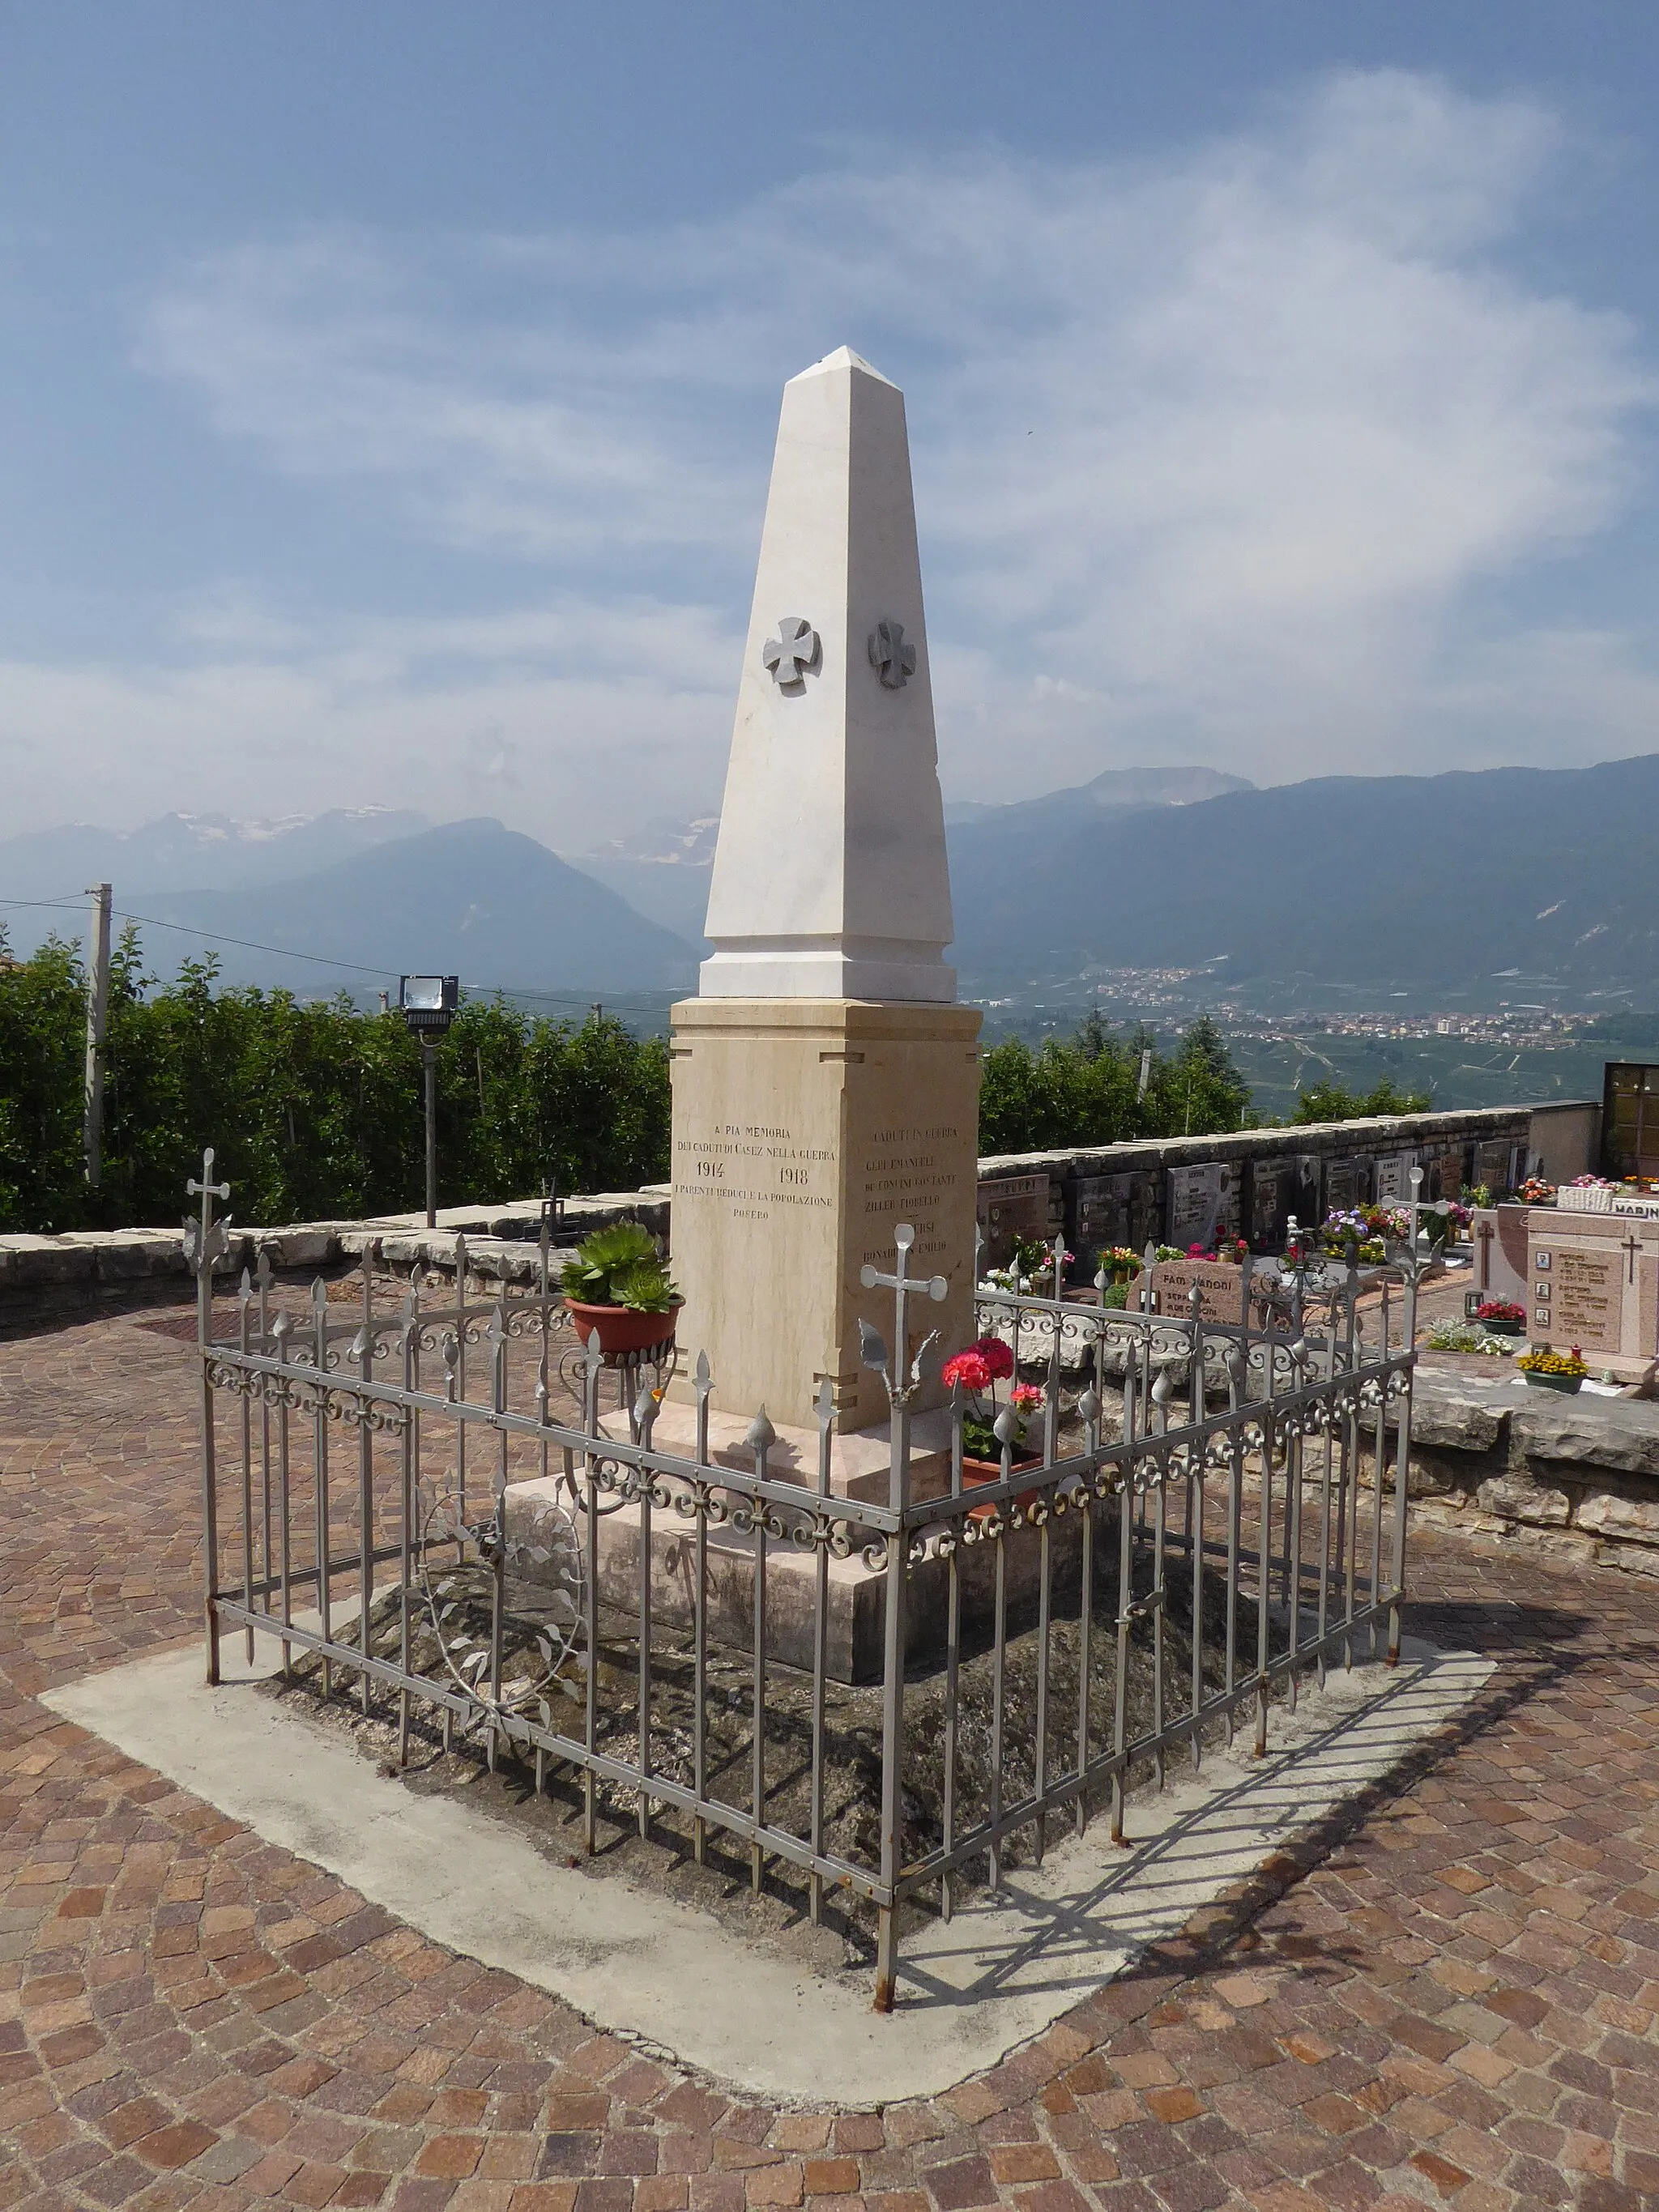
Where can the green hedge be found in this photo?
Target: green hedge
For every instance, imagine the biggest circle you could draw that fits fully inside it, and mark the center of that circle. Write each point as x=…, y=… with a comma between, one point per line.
x=315, y=1110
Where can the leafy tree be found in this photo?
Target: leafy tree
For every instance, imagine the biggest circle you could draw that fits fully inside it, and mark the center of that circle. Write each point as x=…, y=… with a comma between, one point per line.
x=1082, y=1089
x=1333, y=1102
x=315, y=1111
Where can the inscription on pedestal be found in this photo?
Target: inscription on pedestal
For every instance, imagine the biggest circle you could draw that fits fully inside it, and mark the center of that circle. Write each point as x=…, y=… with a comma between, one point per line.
x=752, y=1170
x=908, y=1175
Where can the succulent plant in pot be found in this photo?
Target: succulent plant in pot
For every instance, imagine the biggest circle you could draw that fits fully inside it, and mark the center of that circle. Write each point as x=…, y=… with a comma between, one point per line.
x=618, y=1288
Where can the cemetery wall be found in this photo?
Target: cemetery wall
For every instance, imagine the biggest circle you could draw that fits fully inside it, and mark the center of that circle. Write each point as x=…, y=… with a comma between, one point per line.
x=1578, y=1477
x=1249, y=1182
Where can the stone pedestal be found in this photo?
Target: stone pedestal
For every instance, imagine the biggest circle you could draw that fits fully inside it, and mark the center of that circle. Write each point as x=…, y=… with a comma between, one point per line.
x=805, y=1130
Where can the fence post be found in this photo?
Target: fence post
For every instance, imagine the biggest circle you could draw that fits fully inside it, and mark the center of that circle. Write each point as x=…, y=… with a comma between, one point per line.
x=97, y=1023
x=205, y=1239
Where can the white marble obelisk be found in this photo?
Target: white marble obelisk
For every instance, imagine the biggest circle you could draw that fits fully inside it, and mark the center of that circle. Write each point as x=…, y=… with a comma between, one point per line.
x=829, y=875
x=825, y=1080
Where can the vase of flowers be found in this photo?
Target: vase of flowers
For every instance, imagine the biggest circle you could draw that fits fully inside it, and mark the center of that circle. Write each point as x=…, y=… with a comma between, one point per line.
x=1502, y=1317
x=1548, y=1369
x=618, y=1289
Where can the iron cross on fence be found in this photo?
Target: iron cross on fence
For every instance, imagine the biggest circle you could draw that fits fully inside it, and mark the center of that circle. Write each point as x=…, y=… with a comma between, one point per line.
x=904, y=1286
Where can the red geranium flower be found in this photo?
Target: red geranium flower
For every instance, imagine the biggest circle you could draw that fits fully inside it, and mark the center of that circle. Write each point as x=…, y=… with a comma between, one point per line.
x=998, y=1356
x=969, y=1369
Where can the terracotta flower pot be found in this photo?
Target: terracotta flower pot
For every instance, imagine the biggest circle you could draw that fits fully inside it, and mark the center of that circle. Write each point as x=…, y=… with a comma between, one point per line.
x=622, y=1329
x=1568, y=1384
x=977, y=1471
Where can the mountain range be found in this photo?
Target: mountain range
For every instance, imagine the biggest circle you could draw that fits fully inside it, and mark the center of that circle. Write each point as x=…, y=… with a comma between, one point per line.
x=1376, y=883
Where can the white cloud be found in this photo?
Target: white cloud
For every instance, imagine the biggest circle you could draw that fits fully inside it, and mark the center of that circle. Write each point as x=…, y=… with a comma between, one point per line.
x=1220, y=457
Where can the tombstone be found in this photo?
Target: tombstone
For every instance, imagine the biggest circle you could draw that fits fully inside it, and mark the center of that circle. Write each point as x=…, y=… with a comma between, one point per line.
x=1273, y=1200
x=1195, y=1205
x=1101, y=1213
x=1494, y=1165
x=1594, y=1281
x=1392, y=1173
x=1445, y=1172
x=1309, y=1207
x=1342, y=1187
x=1230, y=1199
x=1498, y=1236
x=1220, y=1289
x=825, y=1080
x=1012, y=1209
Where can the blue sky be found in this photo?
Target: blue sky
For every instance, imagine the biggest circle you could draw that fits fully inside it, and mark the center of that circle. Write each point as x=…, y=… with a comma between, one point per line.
x=386, y=392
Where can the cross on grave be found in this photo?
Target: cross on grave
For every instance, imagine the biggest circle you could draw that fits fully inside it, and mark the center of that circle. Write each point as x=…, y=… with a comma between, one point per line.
x=793, y=651
x=904, y=1286
x=1485, y=1233
x=1633, y=1244
x=893, y=660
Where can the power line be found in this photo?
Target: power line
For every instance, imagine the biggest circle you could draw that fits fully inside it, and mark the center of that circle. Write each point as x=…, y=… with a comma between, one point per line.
x=321, y=960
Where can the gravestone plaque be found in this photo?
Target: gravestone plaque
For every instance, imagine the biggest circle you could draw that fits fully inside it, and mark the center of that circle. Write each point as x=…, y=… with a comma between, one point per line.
x=1586, y=1305
x=1220, y=1288
x=1443, y=1174
x=1011, y=1207
x=1494, y=1165
x=1308, y=1208
x=1230, y=1201
x=1195, y=1205
x=1105, y=1209
x=1273, y=1190
x=1392, y=1173
x=1341, y=1186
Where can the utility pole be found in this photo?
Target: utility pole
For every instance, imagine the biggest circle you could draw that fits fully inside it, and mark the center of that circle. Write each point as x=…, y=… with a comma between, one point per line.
x=97, y=1020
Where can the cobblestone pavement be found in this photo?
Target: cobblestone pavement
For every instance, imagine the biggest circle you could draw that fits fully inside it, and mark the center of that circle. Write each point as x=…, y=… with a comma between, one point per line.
x=1454, y=1999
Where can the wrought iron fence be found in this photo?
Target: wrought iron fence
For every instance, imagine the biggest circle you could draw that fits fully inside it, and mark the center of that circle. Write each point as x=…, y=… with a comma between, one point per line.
x=1198, y=1515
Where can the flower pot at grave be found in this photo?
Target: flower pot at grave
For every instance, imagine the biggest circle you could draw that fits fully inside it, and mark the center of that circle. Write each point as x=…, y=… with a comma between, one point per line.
x=621, y=1331
x=1504, y=1328
x=977, y=1471
x=1568, y=1384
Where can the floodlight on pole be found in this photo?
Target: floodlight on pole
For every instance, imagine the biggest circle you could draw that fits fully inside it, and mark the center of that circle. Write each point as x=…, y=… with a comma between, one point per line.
x=428, y=1003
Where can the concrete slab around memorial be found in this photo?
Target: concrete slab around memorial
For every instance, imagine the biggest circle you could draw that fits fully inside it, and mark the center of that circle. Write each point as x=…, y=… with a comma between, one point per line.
x=643, y=1967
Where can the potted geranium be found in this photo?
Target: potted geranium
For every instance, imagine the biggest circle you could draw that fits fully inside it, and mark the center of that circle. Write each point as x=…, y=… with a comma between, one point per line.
x=1546, y=1369
x=977, y=1372
x=617, y=1288
x=1502, y=1317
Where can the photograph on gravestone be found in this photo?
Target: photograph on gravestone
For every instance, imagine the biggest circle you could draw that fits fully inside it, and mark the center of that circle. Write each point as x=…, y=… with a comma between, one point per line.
x=1010, y=1208
x=1195, y=1203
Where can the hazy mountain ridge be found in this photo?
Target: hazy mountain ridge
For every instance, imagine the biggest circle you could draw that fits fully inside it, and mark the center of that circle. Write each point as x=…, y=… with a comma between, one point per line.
x=181, y=852
x=1547, y=872
x=470, y=898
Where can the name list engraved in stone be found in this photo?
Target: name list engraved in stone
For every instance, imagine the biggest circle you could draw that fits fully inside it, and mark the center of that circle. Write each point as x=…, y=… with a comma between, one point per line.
x=905, y=1178
x=1589, y=1305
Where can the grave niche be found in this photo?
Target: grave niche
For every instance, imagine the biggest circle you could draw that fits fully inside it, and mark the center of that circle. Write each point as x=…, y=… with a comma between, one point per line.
x=1010, y=1210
